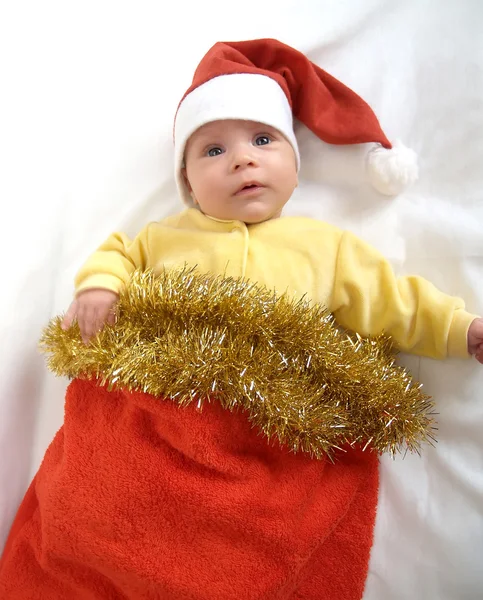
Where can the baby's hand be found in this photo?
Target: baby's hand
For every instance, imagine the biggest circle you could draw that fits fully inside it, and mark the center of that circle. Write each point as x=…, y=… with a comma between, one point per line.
x=91, y=309
x=475, y=339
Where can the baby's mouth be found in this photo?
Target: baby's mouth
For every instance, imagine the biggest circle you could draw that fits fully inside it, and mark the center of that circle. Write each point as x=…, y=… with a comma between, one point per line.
x=249, y=188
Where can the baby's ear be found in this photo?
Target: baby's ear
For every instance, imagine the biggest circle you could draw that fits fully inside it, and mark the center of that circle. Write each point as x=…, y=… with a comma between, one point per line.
x=186, y=180
x=188, y=185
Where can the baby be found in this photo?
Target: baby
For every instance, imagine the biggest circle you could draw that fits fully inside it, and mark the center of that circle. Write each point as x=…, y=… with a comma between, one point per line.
x=236, y=164
x=141, y=497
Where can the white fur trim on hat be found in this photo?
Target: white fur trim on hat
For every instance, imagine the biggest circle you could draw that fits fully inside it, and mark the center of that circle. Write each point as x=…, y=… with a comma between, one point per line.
x=391, y=171
x=244, y=96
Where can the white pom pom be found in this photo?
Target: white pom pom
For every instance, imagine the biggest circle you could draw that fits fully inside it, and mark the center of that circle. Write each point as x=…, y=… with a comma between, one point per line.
x=392, y=171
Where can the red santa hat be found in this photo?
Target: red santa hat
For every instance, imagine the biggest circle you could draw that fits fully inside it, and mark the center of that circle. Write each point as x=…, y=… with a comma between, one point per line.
x=271, y=83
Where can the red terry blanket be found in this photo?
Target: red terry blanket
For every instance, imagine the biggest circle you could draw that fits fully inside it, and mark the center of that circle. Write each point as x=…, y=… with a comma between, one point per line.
x=140, y=499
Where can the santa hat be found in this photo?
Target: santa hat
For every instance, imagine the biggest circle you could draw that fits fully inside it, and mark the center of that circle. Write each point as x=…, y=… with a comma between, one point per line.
x=271, y=83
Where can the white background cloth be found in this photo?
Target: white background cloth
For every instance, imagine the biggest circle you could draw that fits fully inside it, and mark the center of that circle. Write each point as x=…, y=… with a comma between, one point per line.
x=89, y=90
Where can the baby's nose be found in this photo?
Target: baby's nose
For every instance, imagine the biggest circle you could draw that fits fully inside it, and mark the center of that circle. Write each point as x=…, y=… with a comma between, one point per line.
x=243, y=158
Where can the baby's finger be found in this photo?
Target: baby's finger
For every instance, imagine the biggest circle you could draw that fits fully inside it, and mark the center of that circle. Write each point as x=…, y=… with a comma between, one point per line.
x=91, y=323
x=87, y=320
x=111, y=317
x=82, y=321
x=101, y=316
x=69, y=315
x=479, y=354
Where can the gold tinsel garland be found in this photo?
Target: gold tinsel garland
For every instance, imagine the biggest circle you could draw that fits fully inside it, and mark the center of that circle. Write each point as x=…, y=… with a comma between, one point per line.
x=192, y=337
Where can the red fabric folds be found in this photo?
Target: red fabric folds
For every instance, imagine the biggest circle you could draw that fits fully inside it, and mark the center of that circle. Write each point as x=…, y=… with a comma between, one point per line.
x=138, y=499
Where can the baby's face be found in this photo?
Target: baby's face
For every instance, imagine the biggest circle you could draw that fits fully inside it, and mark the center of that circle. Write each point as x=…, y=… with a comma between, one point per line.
x=240, y=170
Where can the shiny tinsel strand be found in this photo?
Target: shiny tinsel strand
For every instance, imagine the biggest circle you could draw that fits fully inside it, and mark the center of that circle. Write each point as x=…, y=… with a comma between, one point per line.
x=190, y=337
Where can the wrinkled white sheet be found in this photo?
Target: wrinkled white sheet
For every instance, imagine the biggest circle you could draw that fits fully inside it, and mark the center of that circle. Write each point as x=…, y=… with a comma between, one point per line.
x=89, y=92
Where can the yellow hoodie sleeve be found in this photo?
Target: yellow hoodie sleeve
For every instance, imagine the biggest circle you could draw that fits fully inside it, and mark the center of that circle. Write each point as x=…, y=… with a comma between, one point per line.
x=368, y=298
x=111, y=265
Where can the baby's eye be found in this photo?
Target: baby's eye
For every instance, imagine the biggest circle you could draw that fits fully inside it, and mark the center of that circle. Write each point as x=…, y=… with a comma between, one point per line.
x=262, y=140
x=215, y=151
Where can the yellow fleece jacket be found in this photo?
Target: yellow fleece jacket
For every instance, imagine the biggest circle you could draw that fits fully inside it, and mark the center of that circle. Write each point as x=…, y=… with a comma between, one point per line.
x=300, y=256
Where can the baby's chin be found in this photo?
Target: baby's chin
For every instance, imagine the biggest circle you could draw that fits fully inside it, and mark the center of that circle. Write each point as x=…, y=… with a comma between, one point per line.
x=253, y=214
x=261, y=219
